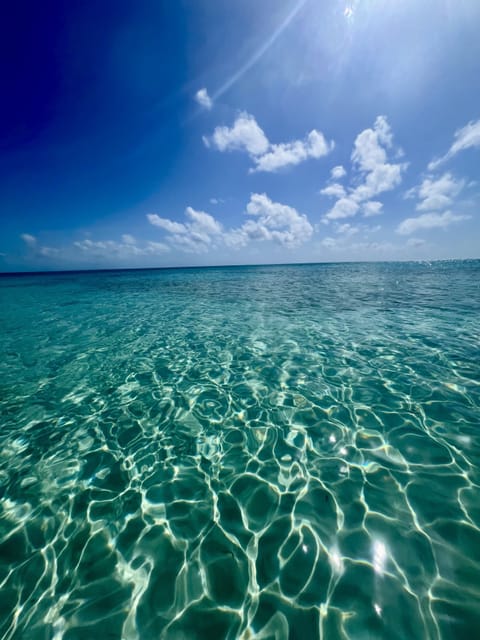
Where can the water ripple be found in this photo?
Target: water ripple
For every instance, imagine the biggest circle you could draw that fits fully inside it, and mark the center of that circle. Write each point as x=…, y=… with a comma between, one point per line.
x=271, y=452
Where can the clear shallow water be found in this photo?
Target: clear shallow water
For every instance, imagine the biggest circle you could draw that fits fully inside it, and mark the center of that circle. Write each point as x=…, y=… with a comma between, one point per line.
x=259, y=452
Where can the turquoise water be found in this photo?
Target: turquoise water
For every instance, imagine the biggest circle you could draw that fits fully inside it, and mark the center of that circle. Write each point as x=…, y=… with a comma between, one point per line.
x=256, y=452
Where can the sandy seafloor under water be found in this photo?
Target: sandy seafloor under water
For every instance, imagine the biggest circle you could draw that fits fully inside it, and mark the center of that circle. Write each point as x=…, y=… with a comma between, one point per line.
x=285, y=452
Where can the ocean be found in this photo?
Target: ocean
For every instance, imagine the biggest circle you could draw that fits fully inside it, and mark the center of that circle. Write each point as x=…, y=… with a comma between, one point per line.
x=269, y=452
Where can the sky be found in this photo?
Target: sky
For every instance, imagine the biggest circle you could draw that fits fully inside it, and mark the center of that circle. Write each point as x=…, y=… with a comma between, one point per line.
x=205, y=132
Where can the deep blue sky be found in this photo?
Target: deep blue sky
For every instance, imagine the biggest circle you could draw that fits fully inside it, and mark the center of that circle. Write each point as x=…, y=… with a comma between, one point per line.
x=205, y=132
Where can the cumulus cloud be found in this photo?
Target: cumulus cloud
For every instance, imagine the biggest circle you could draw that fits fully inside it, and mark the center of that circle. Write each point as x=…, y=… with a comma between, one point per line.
x=334, y=190
x=468, y=137
x=195, y=236
x=384, y=177
x=247, y=135
x=370, y=157
x=369, y=147
x=204, y=99
x=343, y=208
x=337, y=172
x=293, y=153
x=276, y=221
x=165, y=223
x=372, y=208
x=375, y=174
x=435, y=194
x=268, y=220
x=29, y=240
x=429, y=221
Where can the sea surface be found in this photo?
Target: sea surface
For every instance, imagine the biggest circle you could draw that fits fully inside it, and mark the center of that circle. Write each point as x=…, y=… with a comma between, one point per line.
x=272, y=453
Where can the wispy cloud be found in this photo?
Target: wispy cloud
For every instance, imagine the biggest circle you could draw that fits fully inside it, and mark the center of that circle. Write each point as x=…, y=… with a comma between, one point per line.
x=29, y=240
x=128, y=248
x=415, y=243
x=347, y=229
x=247, y=135
x=429, y=221
x=88, y=251
x=203, y=99
x=468, y=137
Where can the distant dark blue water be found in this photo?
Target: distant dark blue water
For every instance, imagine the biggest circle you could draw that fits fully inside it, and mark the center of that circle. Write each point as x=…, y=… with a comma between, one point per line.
x=285, y=452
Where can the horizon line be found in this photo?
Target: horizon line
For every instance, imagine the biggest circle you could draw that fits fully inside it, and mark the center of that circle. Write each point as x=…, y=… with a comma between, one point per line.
x=230, y=266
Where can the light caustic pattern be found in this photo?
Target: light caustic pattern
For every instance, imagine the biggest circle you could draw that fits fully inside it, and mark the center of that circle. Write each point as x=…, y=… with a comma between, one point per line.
x=271, y=453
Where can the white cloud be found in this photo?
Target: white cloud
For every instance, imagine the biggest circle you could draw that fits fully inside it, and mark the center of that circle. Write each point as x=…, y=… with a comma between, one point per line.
x=329, y=243
x=282, y=222
x=29, y=240
x=246, y=135
x=273, y=221
x=113, y=249
x=343, y=208
x=49, y=252
x=370, y=157
x=384, y=177
x=415, y=243
x=204, y=99
x=202, y=222
x=429, y=221
x=293, y=153
x=334, y=190
x=369, y=151
x=337, y=172
x=468, y=137
x=196, y=236
x=89, y=251
x=343, y=246
x=375, y=174
x=435, y=194
x=372, y=208
x=268, y=220
x=165, y=223
x=346, y=229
